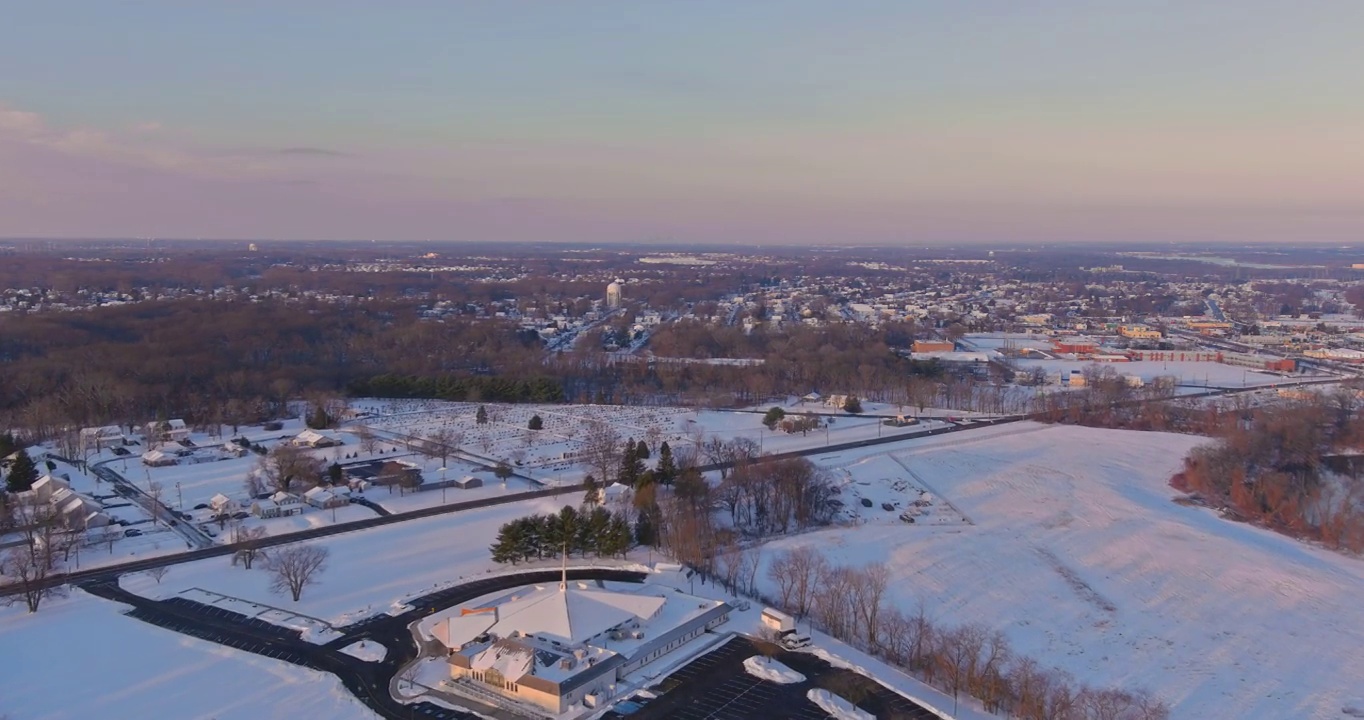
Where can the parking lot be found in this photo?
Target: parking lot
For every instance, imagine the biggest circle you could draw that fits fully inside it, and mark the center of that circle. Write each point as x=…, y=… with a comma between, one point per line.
x=715, y=686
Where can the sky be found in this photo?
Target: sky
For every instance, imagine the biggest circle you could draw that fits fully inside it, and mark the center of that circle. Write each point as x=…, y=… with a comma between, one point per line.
x=905, y=122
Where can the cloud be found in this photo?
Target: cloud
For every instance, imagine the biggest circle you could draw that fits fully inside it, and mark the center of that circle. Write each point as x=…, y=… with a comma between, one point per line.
x=312, y=151
x=140, y=146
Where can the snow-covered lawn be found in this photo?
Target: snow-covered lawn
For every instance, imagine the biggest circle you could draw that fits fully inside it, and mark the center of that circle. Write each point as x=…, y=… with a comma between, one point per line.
x=367, y=572
x=771, y=671
x=366, y=650
x=81, y=658
x=1077, y=553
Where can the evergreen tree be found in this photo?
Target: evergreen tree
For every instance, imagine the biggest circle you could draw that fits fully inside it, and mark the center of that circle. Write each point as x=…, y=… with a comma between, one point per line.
x=667, y=467
x=592, y=494
x=631, y=467
x=646, y=527
x=852, y=405
x=22, y=473
x=595, y=530
x=535, y=423
x=507, y=547
x=335, y=475
x=318, y=418
x=481, y=417
x=618, y=536
x=773, y=416
x=502, y=471
x=642, y=450
x=691, y=487
x=562, y=535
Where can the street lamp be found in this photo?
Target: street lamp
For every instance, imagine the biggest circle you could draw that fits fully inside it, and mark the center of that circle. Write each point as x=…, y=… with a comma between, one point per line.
x=442, y=484
x=179, y=498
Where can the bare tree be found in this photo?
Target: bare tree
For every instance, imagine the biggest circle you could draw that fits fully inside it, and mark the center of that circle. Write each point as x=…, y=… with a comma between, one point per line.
x=368, y=441
x=248, y=541
x=869, y=588
x=158, y=573
x=28, y=567
x=779, y=572
x=749, y=561
x=295, y=568
x=287, y=465
x=601, y=448
x=808, y=569
x=154, y=491
x=443, y=443
x=254, y=484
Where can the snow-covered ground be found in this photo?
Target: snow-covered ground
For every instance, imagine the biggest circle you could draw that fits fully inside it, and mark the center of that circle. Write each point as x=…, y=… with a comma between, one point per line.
x=837, y=707
x=1075, y=550
x=79, y=658
x=366, y=650
x=366, y=572
x=771, y=671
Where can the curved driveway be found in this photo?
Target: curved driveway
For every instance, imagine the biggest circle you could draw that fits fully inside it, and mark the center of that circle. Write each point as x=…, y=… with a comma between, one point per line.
x=368, y=681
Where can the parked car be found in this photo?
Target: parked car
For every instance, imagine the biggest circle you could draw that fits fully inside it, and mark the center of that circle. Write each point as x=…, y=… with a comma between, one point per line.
x=131, y=532
x=201, y=506
x=242, y=515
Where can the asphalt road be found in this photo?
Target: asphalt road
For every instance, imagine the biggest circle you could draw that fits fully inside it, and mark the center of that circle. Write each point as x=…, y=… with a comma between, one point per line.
x=368, y=681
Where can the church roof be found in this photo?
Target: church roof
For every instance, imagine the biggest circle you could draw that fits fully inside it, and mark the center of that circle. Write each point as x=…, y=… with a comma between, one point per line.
x=573, y=615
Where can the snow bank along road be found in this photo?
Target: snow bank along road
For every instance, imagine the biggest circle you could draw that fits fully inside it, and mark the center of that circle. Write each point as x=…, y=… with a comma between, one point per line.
x=368, y=681
x=113, y=571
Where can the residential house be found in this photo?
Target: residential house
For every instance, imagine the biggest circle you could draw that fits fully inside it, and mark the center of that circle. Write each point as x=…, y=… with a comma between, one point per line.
x=321, y=498
x=315, y=439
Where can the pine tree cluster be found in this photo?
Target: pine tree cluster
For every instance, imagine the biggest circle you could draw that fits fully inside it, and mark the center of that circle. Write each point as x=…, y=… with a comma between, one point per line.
x=598, y=532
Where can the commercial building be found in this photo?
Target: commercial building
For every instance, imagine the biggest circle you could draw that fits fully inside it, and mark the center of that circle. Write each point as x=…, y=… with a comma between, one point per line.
x=566, y=646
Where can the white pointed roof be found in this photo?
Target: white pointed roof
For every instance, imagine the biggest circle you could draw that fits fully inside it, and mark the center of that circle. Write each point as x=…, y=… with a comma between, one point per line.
x=573, y=615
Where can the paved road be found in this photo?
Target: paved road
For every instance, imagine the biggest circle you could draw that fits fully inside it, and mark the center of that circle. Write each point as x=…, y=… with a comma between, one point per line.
x=192, y=535
x=368, y=681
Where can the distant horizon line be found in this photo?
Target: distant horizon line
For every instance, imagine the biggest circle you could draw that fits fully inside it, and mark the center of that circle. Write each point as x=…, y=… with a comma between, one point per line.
x=730, y=246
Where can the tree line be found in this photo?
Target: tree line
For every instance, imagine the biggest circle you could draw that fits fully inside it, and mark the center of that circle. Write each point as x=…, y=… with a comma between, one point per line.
x=1291, y=468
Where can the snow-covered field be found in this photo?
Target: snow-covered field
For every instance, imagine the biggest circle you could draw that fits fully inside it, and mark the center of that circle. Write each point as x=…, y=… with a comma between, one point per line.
x=1077, y=553
x=81, y=658
x=367, y=572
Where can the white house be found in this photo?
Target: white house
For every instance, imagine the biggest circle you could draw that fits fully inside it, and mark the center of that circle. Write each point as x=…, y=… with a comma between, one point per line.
x=101, y=437
x=288, y=503
x=264, y=509
x=44, y=487
x=468, y=482
x=173, y=430
x=322, y=498
x=616, y=493
x=221, y=503
x=314, y=439
x=158, y=458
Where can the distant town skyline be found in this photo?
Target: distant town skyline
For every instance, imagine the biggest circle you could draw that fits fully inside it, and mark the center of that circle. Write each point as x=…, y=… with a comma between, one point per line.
x=750, y=123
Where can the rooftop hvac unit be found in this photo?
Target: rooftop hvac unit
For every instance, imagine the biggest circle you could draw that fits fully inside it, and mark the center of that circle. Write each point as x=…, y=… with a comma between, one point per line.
x=639, y=634
x=567, y=663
